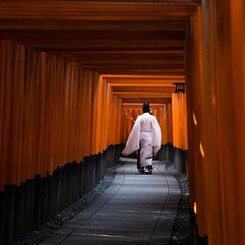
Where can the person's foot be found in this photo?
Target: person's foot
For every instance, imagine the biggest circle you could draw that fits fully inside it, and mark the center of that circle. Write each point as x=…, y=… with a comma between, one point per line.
x=141, y=170
x=148, y=170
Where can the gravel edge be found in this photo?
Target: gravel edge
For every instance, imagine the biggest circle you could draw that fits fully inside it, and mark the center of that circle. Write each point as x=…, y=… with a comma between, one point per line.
x=181, y=230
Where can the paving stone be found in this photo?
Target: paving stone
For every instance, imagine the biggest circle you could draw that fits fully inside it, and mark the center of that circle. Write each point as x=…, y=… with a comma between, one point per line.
x=135, y=209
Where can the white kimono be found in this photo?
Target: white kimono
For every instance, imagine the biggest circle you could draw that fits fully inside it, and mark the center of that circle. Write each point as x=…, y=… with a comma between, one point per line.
x=145, y=134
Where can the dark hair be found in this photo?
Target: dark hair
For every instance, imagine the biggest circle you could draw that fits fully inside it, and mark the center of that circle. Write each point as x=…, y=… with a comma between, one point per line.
x=146, y=107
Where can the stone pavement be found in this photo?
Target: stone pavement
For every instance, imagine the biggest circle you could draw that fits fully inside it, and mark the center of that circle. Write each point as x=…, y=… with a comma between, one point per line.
x=135, y=209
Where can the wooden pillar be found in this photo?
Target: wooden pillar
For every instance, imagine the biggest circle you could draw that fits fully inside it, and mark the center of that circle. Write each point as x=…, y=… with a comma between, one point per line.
x=179, y=120
x=217, y=121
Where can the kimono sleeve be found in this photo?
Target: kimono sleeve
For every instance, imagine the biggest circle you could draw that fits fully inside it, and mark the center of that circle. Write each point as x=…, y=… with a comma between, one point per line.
x=157, y=136
x=133, y=139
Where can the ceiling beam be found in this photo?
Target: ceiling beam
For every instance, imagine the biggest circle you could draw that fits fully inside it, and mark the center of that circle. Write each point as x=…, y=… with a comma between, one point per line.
x=150, y=100
x=88, y=26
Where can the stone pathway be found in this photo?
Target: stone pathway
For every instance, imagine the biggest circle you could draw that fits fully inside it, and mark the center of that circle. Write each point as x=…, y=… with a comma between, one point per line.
x=135, y=209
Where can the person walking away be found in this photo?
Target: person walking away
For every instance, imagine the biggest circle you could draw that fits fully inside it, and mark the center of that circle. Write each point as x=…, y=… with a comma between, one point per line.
x=146, y=137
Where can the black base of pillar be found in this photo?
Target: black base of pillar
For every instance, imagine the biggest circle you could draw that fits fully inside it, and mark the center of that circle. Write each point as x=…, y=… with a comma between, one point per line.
x=27, y=207
x=165, y=153
x=196, y=239
x=180, y=160
x=175, y=155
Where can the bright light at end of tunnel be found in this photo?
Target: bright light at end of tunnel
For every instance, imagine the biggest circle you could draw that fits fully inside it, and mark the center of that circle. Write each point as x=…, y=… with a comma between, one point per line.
x=194, y=119
x=201, y=150
x=195, y=207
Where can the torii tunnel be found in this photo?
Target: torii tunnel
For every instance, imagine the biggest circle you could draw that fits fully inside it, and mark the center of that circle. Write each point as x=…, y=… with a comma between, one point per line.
x=73, y=78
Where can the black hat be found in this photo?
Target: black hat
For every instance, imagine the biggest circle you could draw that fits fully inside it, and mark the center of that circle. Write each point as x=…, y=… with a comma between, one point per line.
x=146, y=107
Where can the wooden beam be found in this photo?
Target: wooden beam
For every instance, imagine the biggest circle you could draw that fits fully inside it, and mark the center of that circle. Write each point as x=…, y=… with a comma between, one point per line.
x=155, y=91
x=142, y=71
x=54, y=35
x=146, y=81
x=152, y=2
x=111, y=76
x=150, y=100
x=139, y=105
x=91, y=25
x=134, y=95
x=79, y=10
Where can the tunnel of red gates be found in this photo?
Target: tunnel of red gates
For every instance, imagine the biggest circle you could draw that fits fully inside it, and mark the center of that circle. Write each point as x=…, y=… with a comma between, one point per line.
x=73, y=78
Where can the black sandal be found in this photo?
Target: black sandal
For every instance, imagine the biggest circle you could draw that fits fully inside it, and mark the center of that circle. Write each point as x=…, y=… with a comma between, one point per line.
x=141, y=170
